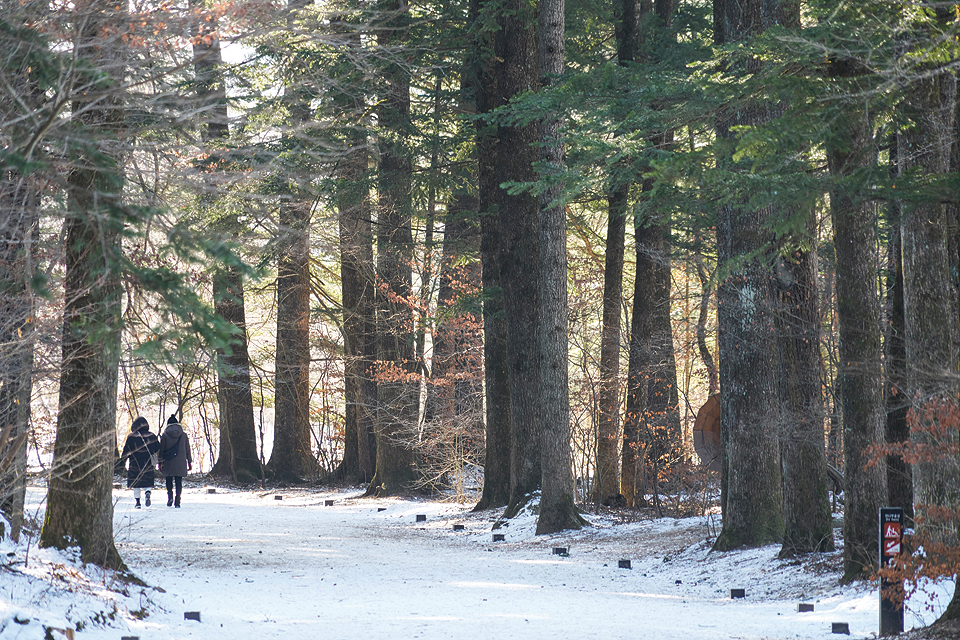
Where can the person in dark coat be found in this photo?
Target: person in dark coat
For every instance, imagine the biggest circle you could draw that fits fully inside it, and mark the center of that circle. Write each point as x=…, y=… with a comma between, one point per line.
x=139, y=449
x=175, y=459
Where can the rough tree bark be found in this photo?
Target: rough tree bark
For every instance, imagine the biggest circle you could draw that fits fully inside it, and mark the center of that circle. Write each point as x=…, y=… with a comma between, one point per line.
x=292, y=459
x=398, y=397
x=516, y=54
x=808, y=527
x=557, y=508
x=858, y=309
x=79, y=497
x=746, y=314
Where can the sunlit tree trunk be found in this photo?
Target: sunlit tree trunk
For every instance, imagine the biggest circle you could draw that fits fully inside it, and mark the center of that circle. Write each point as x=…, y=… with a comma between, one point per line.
x=557, y=508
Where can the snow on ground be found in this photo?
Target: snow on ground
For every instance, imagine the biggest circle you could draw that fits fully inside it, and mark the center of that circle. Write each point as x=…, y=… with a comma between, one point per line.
x=255, y=566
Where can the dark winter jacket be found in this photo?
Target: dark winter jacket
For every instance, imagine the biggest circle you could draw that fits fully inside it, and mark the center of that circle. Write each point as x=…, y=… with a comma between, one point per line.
x=177, y=466
x=137, y=449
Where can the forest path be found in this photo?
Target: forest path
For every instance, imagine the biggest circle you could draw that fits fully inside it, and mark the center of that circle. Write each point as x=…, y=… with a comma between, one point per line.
x=259, y=567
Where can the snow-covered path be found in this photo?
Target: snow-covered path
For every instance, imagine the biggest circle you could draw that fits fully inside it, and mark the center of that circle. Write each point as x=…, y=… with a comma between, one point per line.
x=258, y=567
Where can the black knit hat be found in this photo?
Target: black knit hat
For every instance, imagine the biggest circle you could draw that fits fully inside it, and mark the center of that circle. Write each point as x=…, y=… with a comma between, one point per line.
x=173, y=419
x=140, y=423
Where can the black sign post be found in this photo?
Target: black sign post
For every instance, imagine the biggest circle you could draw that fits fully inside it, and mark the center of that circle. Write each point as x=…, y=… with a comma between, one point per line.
x=891, y=545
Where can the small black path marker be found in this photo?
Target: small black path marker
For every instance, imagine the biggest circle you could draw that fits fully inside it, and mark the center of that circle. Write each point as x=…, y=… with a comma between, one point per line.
x=129, y=637
x=379, y=509
x=499, y=537
x=804, y=607
x=738, y=593
x=421, y=517
x=841, y=627
x=561, y=551
x=624, y=564
x=191, y=615
x=278, y=497
x=211, y=490
x=328, y=503
x=458, y=527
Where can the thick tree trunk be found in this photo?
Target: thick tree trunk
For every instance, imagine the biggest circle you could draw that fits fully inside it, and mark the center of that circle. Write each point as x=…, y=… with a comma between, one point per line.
x=397, y=396
x=238, y=457
x=481, y=76
x=746, y=314
x=292, y=459
x=557, y=508
x=652, y=414
x=520, y=251
x=80, y=490
x=858, y=309
x=929, y=302
x=806, y=507
x=357, y=280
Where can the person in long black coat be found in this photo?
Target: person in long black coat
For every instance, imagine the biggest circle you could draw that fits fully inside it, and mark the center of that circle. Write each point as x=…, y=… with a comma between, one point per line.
x=140, y=447
x=175, y=459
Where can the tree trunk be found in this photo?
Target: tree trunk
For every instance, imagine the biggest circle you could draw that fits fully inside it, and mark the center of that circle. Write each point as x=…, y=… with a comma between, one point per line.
x=627, y=16
x=806, y=508
x=19, y=212
x=897, y=400
x=746, y=315
x=557, y=509
x=292, y=459
x=516, y=50
x=80, y=490
x=397, y=396
x=608, y=427
x=357, y=281
x=482, y=76
x=652, y=395
x=858, y=309
x=930, y=307
x=238, y=446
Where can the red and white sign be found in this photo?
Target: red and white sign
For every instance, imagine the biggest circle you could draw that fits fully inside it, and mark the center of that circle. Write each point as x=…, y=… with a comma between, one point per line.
x=891, y=530
x=891, y=547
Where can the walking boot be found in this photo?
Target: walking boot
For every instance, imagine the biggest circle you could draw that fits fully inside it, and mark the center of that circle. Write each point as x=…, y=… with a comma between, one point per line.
x=147, y=502
x=176, y=502
x=137, y=505
x=169, y=498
